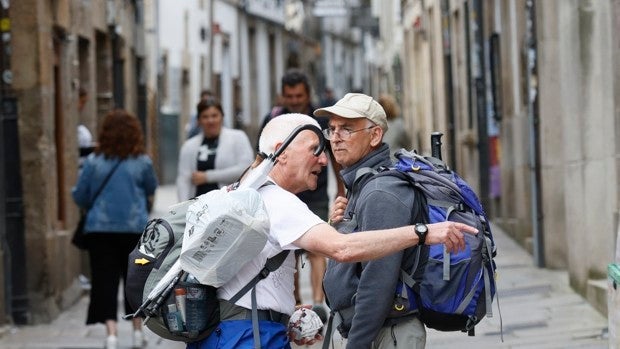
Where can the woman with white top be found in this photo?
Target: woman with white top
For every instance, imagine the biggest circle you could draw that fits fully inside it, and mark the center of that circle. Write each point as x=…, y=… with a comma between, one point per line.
x=215, y=157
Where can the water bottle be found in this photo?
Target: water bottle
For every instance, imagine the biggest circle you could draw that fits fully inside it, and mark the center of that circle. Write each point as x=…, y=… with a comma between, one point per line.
x=195, y=305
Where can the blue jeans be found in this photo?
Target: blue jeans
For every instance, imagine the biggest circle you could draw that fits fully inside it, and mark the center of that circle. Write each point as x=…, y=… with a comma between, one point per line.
x=237, y=334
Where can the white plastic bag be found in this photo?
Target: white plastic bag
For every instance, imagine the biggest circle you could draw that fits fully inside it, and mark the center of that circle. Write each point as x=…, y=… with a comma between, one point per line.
x=304, y=324
x=224, y=231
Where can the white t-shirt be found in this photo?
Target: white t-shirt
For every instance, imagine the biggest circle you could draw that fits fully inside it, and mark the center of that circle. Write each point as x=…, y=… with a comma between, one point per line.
x=289, y=219
x=85, y=138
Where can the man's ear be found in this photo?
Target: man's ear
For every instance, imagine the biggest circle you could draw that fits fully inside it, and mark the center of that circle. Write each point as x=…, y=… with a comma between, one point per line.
x=376, y=137
x=281, y=156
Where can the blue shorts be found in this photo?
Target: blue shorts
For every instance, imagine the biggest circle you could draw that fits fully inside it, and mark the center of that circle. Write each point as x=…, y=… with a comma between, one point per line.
x=237, y=334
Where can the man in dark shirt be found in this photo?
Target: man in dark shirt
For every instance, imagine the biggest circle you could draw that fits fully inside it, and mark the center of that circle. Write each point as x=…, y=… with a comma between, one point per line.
x=296, y=99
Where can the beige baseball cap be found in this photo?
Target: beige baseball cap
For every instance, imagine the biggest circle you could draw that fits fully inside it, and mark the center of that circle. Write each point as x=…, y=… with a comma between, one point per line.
x=357, y=105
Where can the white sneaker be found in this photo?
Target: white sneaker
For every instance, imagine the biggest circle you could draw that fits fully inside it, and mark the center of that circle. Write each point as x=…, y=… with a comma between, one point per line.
x=111, y=342
x=138, y=339
x=84, y=282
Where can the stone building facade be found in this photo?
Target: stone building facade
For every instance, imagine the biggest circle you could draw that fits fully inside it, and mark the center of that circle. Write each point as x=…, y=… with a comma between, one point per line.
x=527, y=94
x=151, y=57
x=239, y=50
x=52, y=49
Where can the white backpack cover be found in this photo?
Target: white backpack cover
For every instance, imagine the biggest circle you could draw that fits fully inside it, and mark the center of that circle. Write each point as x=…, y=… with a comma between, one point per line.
x=224, y=231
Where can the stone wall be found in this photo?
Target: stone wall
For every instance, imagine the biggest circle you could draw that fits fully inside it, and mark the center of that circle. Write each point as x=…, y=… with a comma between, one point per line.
x=47, y=38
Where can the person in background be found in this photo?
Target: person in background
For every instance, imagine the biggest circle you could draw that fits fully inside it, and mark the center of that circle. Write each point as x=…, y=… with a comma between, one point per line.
x=362, y=294
x=296, y=99
x=215, y=157
x=278, y=106
x=397, y=136
x=85, y=138
x=193, y=128
x=117, y=216
x=292, y=226
x=328, y=98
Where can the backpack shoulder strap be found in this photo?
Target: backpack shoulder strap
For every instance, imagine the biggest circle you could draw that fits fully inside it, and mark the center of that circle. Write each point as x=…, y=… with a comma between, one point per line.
x=421, y=200
x=362, y=176
x=272, y=264
x=365, y=175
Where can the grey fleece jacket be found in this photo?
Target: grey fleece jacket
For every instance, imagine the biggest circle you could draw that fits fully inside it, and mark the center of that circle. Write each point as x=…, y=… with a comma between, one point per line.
x=383, y=202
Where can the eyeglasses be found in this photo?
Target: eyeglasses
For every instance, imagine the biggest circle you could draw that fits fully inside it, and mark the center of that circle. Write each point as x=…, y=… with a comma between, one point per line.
x=343, y=133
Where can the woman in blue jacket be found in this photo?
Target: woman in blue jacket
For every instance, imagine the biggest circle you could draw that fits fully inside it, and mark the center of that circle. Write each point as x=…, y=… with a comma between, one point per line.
x=116, y=216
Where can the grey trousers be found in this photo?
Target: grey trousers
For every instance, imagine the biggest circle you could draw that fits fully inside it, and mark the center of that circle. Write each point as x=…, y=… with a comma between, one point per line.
x=409, y=334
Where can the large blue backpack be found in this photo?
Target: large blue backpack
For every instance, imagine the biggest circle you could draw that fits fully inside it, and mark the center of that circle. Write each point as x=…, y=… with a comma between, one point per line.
x=456, y=289
x=451, y=291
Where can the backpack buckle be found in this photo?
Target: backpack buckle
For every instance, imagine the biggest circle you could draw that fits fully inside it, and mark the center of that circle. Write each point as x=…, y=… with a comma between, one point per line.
x=264, y=273
x=414, y=167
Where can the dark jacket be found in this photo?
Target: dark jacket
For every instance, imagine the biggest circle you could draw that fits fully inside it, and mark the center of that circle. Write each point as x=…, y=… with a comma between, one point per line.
x=383, y=202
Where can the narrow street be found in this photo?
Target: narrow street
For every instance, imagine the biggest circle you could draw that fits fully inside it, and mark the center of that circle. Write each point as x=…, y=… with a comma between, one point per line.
x=538, y=310
x=524, y=93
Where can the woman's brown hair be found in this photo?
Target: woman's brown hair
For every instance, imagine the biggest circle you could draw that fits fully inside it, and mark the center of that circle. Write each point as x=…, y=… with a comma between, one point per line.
x=120, y=135
x=389, y=104
x=208, y=103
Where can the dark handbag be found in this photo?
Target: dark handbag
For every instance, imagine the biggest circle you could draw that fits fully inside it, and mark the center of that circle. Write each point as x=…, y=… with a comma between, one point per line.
x=79, y=239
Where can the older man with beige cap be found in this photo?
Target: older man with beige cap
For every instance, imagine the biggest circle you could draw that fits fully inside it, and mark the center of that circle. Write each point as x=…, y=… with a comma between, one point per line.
x=362, y=295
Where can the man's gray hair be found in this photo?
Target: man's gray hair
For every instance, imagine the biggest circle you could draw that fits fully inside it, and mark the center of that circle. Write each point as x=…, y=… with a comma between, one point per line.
x=280, y=127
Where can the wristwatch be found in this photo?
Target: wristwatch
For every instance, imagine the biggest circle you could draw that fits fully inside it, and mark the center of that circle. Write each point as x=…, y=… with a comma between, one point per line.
x=421, y=229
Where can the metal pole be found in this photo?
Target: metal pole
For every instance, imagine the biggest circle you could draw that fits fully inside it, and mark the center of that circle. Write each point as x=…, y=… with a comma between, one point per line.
x=5, y=252
x=481, y=88
x=12, y=238
x=436, y=144
x=530, y=50
x=450, y=105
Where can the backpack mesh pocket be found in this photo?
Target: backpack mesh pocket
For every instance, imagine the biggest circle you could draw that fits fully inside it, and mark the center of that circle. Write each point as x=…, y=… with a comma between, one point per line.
x=191, y=311
x=136, y=277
